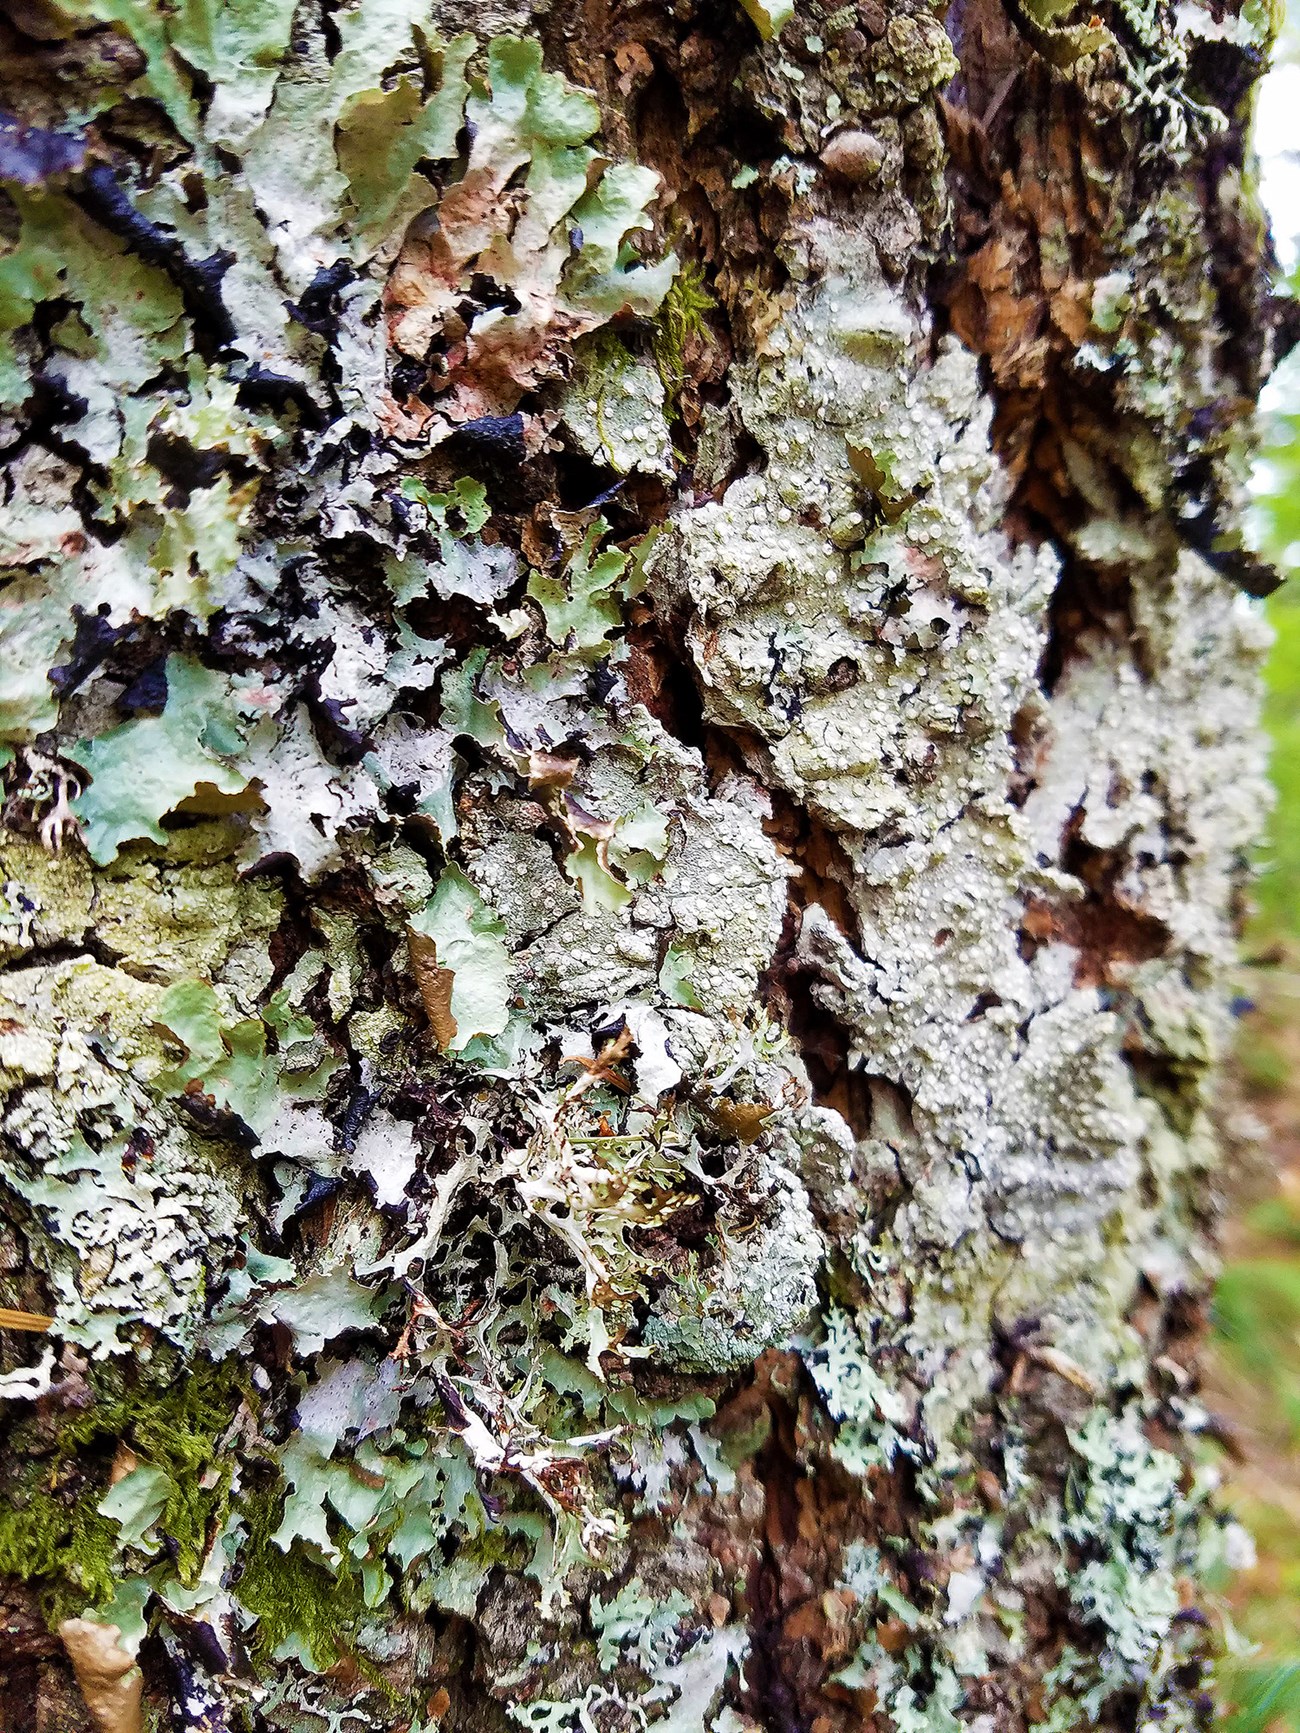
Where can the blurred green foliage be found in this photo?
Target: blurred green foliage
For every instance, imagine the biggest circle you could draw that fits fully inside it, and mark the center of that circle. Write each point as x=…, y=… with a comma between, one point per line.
x=1269, y=1697
x=1277, y=509
x=1257, y=1317
x=1256, y=1381
x=1255, y=1375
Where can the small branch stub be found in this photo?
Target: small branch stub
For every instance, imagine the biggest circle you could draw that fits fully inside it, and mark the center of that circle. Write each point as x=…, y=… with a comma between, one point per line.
x=11, y=1320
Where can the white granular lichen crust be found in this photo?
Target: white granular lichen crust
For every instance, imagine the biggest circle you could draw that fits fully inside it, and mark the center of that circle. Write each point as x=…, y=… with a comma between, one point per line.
x=859, y=613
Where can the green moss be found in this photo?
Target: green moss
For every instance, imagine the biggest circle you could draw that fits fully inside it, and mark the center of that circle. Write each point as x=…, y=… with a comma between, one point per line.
x=297, y=1601
x=177, y=1428
x=51, y=1532
x=175, y=1419
x=681, y=317
x=57, y=1541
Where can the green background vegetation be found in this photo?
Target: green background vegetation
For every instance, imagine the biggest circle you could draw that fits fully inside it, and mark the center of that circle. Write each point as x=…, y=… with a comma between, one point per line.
x=1254, y=1379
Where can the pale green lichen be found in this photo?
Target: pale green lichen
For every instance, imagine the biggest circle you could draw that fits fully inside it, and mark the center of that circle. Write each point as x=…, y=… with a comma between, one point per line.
x=769, y=20
x=614, y=408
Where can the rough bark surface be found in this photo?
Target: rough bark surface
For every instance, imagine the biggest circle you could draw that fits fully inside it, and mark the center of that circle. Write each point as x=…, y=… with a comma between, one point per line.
x=631, y=758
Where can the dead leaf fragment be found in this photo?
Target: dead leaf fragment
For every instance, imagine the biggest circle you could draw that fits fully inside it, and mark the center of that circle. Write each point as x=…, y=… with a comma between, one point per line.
x=550, y=770
x=125, y=1461
x=742, y=1120
x=110, y=1681
x=435, y=984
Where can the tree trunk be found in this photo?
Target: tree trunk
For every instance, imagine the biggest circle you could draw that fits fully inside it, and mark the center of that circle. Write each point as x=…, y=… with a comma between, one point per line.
x=632, y=757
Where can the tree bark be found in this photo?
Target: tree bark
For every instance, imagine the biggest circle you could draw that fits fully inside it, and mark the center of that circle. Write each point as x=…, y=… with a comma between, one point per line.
x=632, y=754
